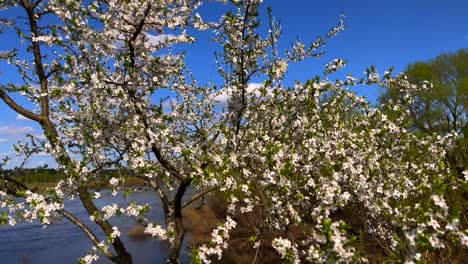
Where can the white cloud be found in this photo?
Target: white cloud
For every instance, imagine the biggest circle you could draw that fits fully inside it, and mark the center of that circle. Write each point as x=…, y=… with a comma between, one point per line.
x=15, y=130
x=3, y=140
x=22, y=118
x=119, y=39
x=37, y=163
x=39, y=136
x=222, y=97
x=156, y=40
x=42, y=154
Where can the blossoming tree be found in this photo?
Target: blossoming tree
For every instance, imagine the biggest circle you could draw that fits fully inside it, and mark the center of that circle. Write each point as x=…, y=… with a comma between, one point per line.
x=303, y=157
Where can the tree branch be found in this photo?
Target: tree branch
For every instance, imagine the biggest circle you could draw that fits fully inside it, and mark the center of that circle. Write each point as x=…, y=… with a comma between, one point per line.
x=19, y=109
x=198, y=196
x=63, y=212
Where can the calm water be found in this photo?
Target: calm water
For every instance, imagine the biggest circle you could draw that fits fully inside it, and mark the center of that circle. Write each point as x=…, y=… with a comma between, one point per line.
x=63, y=242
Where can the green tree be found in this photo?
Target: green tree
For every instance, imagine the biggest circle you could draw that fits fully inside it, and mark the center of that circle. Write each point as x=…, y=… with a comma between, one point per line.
x=442, y=106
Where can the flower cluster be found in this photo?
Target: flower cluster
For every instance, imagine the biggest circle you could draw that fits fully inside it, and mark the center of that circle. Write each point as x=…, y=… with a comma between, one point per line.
x=334, y=66
x=218, y=243
x=156, y=231
x=287, y=251
x=88, y=259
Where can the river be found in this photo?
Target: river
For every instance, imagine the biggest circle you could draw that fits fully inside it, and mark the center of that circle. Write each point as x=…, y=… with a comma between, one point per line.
x=63, y=242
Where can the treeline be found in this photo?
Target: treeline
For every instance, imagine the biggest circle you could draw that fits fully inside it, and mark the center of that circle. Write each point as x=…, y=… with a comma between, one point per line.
x=46, y=175
x=35, y=175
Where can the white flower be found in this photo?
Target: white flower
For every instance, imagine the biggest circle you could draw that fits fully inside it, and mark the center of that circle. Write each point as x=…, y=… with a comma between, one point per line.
x=88, y=259
x=284, y=247
x=115, y=232
x=440, y=202
x=46, y=39
x=114, y=181
x=463, y=239
x=156, y=231
x=110, y=210
x=334, y=66
x=279, y=69
x=433, y=223
x=11, y=221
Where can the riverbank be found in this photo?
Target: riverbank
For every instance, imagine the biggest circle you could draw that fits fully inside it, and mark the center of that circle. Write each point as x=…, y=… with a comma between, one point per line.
x=43, y=186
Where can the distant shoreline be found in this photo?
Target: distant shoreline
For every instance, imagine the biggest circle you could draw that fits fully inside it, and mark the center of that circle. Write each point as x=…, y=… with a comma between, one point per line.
x=43, y=186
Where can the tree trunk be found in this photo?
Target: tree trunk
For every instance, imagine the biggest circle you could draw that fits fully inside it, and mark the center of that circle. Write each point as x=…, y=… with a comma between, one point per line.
x=123, y=257
x=175, y=243
x=175, y=224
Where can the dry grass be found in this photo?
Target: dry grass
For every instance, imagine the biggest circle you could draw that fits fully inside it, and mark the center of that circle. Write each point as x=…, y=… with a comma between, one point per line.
x=137, y=233
x=199, y=224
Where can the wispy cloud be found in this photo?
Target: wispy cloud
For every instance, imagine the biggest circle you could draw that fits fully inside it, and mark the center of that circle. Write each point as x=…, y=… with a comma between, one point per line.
x=22, y=118
x=3, y=140
x=15, y=130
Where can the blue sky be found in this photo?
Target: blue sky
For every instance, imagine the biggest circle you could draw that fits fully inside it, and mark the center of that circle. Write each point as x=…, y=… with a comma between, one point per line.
x=380, y=33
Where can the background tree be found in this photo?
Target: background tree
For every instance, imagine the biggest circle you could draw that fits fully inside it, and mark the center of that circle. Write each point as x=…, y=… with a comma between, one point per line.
x=442, y=107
